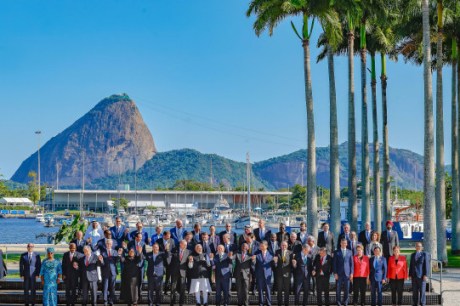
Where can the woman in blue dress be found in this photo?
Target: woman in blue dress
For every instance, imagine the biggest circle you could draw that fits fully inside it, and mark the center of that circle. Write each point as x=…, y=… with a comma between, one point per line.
x=50, y=274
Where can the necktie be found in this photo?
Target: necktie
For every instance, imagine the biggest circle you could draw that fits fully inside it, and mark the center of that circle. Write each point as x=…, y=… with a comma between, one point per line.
x=389, y=235
x=305, y=258
x=325, y=235
x=243, y=256
x=343, y=253
x=367, y=236
x=71, y=257
x=181, y=253
x=375, y=262
x=321, y=260
x=284, y=256
x=263, y=255
x=87, y=261
x=417, y=255
x=30, y=258
x=109, y=253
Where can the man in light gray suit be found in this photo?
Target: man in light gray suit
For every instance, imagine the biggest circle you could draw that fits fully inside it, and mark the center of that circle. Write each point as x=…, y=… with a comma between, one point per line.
x=242, y=273
x=88, y=266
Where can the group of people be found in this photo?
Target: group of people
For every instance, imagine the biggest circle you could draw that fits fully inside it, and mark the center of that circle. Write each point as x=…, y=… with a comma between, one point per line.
x=198, y=262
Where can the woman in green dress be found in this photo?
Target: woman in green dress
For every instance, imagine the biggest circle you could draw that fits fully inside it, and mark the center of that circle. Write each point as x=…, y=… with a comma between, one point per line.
x=50, y=274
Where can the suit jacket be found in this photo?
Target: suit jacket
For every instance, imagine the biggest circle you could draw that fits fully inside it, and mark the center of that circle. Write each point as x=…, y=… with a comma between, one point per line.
x=378, y=270
x=397, y=270
x=215, y=241
x=303, y=269
x=343, y=266
x=208, y=247
x=30, y=268
x=324, y=268
x=282, y=236
x=101, y=245
x=421, y=266
x=3, y=269
x=223, y=266
x=67, y=265
x=233, y=238
x=162, y=244
x=176, y=237
x=145, y=236
x=283, y=268
x=361, y=266
x=327, y=242
x=156, y=267
x=362, y=238
x=177, y=265
x=301, y=235
x=119, y=234
x=389, y=242
x=230, y=248
x=342, y=236
x=266, y=235
x=242, y=267
x=353, y=245
x=263, y=266
x=80, y=244
x=109, y=265
x=89, y=272
x=155, y=237
x=132, y=245
x=253, y=247
x=200, y=266
x=295, y=247
x=197, y=241
x=273, y=246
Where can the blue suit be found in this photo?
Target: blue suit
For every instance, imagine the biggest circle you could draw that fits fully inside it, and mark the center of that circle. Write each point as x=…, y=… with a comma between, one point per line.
x=378, y=272
x=263, y=273
x=223, y=272
x=29, y=268
x=343, y=267
x=155, y=270
x=155, y=237
x=178, y=236
x=420, y=266
x=109, y=273
x=119, y=234
x=145, y=236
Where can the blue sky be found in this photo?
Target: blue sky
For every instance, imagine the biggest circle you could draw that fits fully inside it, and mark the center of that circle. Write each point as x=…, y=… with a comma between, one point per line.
x=198, y=73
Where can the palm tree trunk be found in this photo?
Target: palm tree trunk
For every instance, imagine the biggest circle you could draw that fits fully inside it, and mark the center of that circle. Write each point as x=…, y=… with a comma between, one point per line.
x=365, y=203
x=455, y=157
x=334, y=143
x=429, y=213
x=312, y=205
x=376, y=145
x=456, y=210
x=440, y=175
x=352, y=205
x=386, y=147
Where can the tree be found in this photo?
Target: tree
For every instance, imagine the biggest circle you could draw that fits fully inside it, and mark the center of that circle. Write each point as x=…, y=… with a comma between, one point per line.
x=298, y=197
x=67, y=232
x=33, y=188
x=120, y=203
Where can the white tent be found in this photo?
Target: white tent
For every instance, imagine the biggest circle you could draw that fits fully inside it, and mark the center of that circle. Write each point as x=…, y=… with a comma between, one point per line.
x=16, y=201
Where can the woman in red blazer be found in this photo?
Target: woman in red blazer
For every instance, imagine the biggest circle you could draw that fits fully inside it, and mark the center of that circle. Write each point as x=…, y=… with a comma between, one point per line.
x=397, y=273
x=360, y=275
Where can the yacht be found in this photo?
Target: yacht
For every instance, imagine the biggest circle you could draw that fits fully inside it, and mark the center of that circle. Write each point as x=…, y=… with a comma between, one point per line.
x=39, y=218
x=132, y=220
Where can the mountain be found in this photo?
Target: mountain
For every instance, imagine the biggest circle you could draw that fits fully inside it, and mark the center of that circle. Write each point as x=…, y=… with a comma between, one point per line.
x=164, y=169
x=280, y=172
x=111, y=138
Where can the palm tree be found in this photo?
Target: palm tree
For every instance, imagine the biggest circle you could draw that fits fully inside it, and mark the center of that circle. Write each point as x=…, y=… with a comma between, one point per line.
x=429, y=214
x=269, y=13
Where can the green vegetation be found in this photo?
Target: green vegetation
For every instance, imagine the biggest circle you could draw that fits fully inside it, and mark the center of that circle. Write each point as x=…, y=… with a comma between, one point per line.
x=67, y=232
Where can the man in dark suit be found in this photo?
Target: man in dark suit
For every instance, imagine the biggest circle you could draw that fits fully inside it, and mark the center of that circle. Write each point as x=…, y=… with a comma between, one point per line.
x=214, y=239
x=345, y=235
x=343, y=272
x=247, y=231
x=88, y=266
x=190, y=241
x=157, y=235
x=231, y=234
x=378, y=274
x=29, y=270
x=119, y=232
x=70, y=273
x=294, y=245
x=262, y=233
x=242, y=274
x=166, y=244
x=222, y=264
x=303, y=266
x=140, y=229
x=3, y=269
x=109, y=271
x=283, y=266
x=282, y=234
x=389, y=239
x=322, y=269
x=419, y=270
x=156, y=263
x=326, y=239
x=228, y=245
x=254, y=247
x=208, y=247
x=102, y=243
x=196, y=233
x=263, y=263
x=302, y=235
x=137, y=243
x=178, y=261
x=79, y=241
x=178, y=233
x=273, y=244
x=365, y=236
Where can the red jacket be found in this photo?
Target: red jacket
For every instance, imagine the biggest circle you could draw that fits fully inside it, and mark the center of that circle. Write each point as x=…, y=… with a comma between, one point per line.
x=361, y=266
x=399, y=270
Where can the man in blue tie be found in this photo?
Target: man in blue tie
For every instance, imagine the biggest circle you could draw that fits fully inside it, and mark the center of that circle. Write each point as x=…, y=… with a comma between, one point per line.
x=119, y=232
x=29, y=270
x=155, y=271
x=378, y=274
x=419, y=270
x=158, y=234
x=343, y=272
x=222, y=263
x=364, y=237
x=110, y=258
x=263, y=262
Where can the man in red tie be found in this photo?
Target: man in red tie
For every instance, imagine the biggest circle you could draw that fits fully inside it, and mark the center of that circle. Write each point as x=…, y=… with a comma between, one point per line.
x=178, y=264
x=88, y=267
x=70, y=273
x=109, y=272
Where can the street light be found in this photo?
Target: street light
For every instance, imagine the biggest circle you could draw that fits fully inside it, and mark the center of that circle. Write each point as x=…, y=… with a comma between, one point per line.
x=38, y=133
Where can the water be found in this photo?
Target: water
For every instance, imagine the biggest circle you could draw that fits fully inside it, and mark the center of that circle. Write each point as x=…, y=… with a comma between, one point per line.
x=23, y=231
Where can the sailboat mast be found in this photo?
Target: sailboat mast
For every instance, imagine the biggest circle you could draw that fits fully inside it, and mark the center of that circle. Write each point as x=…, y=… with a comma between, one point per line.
x=248, y=180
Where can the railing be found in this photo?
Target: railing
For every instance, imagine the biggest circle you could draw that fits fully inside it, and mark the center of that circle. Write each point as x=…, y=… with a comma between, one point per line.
x=438, y=264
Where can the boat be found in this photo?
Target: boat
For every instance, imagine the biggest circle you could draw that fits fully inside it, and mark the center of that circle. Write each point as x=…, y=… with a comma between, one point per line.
x=132, y=220
x=243, y=220
x=49, y=220
x=221, y=212
x=39, y=218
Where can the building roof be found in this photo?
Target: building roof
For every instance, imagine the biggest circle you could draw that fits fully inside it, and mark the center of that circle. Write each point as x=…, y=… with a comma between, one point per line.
x=15, y=201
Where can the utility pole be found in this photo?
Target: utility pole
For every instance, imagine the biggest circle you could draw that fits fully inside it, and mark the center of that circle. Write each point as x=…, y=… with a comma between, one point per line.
x=38, y=133
x=248, y=180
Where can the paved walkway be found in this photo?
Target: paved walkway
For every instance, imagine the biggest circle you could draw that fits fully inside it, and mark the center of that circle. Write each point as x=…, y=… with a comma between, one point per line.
x=450, y=281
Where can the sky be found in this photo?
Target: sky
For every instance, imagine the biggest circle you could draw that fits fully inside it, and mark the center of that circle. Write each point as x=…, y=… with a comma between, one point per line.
x=200, y=76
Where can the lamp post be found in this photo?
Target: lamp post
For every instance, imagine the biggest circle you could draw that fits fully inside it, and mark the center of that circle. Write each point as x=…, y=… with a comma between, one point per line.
x=38, y=133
